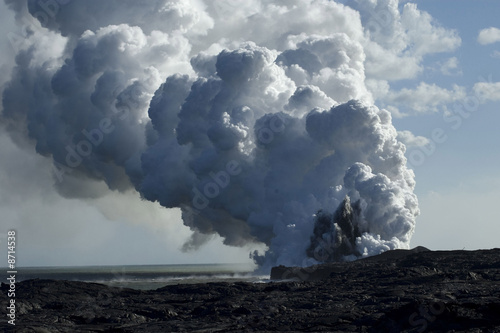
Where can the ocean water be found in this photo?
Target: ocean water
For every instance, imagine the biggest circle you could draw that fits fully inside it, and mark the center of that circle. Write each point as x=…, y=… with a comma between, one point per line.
x=145, y=277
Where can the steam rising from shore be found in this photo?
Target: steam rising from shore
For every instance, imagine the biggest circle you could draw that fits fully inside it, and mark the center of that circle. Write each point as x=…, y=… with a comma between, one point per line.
x=251, y=117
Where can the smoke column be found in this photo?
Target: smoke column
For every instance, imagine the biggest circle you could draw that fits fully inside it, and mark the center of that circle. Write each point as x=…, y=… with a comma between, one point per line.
x=253, y=117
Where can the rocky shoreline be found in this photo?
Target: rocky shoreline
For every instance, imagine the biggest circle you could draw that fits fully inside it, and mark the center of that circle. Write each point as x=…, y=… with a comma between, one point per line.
x=398, y=291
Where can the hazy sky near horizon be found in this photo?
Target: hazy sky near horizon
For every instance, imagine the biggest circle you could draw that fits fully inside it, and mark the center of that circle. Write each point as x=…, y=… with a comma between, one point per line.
x=446, y=110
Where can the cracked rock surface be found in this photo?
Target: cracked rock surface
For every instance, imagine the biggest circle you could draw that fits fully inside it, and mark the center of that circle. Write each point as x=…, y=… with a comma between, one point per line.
x=398, y=291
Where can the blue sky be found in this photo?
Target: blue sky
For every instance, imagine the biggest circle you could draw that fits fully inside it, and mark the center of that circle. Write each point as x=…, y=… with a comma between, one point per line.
x=458, y=184
x=458, y=180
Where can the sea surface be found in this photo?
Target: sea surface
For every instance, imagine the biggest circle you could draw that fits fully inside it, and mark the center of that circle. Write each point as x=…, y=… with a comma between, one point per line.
x=145, y=277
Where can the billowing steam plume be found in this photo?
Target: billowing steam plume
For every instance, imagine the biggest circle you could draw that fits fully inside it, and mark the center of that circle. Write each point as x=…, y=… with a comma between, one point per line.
x=251, y=116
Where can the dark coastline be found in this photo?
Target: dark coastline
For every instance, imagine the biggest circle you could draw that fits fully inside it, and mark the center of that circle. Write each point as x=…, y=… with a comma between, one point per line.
x=401, y=291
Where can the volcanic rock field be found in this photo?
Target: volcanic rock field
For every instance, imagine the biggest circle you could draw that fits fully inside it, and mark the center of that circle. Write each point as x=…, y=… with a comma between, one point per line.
x=398, y=291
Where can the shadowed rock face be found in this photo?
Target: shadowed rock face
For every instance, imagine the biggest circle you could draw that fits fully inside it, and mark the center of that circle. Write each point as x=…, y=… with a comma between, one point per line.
x=325, y=271
x=397, y=291
x=334, y=235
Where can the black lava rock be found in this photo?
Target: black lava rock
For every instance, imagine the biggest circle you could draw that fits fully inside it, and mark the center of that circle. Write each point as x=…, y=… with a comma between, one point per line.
x=398, y=291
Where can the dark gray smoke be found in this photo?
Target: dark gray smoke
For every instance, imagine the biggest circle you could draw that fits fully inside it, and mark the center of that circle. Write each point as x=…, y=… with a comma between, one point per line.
x=334, y=236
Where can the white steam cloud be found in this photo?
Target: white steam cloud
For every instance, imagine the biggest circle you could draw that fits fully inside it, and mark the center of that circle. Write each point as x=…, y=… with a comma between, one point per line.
x=251, y=116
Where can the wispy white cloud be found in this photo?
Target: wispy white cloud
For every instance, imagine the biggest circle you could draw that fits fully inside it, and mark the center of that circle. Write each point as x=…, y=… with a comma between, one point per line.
x=424, y=35
x=412, y=140
x=488, y=91
x=399, y=39
x=425, y=98
x=450, y=67
x=489, y=36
